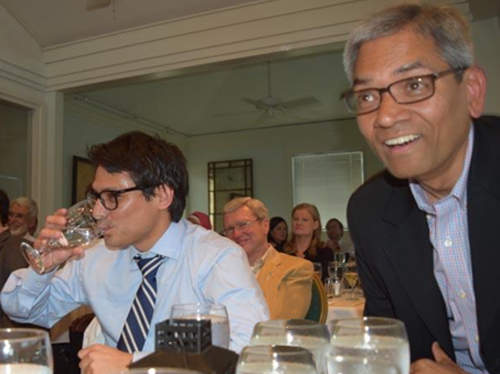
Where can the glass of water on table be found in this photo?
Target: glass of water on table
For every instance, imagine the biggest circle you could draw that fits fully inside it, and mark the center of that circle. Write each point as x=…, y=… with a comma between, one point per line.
x=25, y=351
x=310, y=335
x=369, y=345
x=216, y=313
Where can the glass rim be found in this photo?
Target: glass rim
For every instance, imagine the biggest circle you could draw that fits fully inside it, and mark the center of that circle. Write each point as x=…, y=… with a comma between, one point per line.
x=373, y=322
x=276, y=348
x=289, y=324
x=31, y=334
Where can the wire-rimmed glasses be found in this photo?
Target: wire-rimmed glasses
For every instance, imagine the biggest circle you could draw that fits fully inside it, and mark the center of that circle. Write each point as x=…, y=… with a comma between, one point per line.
x=405, y=91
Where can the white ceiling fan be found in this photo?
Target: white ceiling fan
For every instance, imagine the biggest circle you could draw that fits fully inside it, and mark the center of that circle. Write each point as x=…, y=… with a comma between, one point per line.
x=270, y=105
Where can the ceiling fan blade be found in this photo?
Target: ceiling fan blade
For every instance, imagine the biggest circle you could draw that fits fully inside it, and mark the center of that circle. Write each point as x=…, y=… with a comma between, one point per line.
x=260, y=119
x=250, y=101
x=97, y=4
x=309, y=100
x=235, y=113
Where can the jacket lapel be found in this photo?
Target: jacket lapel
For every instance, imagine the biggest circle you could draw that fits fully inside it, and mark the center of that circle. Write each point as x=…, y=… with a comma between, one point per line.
x=483, y=206
x=410, y=252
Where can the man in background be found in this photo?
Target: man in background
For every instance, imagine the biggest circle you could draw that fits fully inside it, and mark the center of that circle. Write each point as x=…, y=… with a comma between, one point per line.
x=426, y=230
x=23, y=215
x=286, y=280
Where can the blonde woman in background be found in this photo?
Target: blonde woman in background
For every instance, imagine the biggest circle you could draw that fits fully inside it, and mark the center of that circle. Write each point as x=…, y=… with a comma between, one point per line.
x=305, y=240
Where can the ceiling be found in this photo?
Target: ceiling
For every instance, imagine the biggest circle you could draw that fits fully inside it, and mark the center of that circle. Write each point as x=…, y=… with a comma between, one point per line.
x=199, y=103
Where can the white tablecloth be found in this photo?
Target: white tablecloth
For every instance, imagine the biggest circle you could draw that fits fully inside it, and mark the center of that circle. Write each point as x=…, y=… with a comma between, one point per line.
x=342, y=307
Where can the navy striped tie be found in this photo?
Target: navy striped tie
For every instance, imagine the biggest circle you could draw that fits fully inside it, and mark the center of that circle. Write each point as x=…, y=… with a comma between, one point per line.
x=138, y=321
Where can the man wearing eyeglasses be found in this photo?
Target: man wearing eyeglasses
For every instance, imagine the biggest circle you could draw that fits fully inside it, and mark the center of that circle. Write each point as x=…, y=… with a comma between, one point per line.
x=426, y=230
x=150, y=259
x=286, y=280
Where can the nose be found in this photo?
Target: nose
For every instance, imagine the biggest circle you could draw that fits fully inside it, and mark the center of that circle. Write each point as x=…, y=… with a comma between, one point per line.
x=99, y=211
x=390, y=112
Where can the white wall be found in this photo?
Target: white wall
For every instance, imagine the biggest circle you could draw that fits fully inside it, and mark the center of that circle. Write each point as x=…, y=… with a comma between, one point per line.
x=271, y=151
x=486, y=35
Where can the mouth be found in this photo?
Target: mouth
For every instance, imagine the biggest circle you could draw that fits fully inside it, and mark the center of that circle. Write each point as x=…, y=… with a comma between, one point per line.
x=402, y=140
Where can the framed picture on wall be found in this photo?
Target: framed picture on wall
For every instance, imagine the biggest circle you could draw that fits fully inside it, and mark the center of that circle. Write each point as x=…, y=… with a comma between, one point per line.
x=83, y=175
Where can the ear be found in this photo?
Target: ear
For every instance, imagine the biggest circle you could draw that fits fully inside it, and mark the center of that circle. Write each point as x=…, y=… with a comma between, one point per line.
x=165, y=196
x=475, y=80
x=265, y=224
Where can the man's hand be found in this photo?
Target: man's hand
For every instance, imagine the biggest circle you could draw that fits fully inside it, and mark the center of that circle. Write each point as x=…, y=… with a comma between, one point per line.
x=101, y=359
x=54, y=225
x=442, y=364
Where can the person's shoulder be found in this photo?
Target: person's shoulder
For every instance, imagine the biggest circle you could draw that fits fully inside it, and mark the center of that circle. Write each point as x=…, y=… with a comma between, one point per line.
x=199, y=241
x=295, y=262
x=376, y=191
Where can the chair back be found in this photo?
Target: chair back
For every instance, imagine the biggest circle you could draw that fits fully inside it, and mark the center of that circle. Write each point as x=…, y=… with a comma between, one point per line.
x=318, y=310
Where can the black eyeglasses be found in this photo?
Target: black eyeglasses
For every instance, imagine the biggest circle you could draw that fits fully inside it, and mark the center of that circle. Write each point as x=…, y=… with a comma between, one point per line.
x=405, y=91
x=109, y=198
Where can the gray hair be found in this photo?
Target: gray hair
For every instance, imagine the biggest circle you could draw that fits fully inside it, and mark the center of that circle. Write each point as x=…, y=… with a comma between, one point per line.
x=449, y=30
x=29, y=203
x=256, y=206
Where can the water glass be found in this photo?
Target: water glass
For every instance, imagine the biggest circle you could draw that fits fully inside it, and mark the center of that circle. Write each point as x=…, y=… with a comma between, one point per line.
x=310, y=335
x=380, y=343
x=216, y=313
x=275, y=359
x=154, y=370
x=25, y=351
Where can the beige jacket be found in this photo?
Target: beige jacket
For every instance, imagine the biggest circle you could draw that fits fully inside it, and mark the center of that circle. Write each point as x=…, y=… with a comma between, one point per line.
x=286, y=282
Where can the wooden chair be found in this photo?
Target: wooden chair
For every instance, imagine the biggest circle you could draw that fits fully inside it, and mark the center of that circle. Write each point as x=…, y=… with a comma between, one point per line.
x=318, y=310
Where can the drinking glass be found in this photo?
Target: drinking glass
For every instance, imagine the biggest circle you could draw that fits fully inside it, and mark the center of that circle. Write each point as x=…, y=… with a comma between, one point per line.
x=351, y=277
x=155, y=370
x=216, y=313
x=81, y=230
x=341, y=257
x=380, y=343
x=25, y=351
x=275, y=359
x=347, y=365
x=310, y=335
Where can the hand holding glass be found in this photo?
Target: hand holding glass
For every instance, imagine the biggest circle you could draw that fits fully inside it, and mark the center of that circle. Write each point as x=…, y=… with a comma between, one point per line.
x=25, y=351
x=81, y=230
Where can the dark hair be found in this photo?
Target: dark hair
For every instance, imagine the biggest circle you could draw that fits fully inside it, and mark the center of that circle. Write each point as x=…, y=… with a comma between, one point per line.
x=273, y=222
x=335, y=220
x=150, y=160
x=4, y=207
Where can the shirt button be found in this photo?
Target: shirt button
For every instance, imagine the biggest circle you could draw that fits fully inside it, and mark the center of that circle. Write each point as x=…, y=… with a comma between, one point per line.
x=462, y=294
x=448, y=242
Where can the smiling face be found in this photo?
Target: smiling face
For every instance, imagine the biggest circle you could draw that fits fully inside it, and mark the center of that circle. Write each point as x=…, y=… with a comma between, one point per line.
x=424, y=141
x=252, y=237
x=19, y=219
x=136, y=222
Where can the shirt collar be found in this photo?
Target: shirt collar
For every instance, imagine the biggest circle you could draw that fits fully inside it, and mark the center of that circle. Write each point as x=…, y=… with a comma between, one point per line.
x=260, y=262
x=459, y=191
x=169, y=244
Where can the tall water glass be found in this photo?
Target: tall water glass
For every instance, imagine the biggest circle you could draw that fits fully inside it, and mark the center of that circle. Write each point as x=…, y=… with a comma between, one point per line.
x=275, y=359
x=310, y=335
x=216, y=313
x=81, y=230
x=381, y=344
x=25, y=351
x=155, y=370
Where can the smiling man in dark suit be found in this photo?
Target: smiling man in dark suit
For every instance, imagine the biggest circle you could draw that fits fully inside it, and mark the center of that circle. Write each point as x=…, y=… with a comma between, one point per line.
x=426, y=230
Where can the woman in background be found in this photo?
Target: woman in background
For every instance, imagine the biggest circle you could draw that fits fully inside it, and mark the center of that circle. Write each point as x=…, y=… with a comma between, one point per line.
x=305, y=240
x=278, y=233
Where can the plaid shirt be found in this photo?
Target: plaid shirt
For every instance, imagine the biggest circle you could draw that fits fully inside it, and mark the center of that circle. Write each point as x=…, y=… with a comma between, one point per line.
x=449, y=235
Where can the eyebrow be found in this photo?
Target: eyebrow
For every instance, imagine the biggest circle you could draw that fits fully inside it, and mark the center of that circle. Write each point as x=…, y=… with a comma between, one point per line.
x=401, y=70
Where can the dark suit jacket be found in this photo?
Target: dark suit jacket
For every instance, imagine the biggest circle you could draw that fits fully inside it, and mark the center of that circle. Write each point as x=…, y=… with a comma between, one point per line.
x=395, y=256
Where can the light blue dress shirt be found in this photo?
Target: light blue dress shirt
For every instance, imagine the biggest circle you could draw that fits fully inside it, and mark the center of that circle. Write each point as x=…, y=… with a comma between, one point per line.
x=199, y=266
